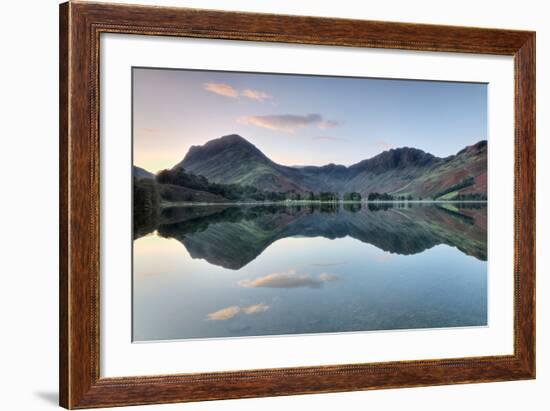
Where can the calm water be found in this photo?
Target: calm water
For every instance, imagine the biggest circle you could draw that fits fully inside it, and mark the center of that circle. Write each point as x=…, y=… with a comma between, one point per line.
x=217, y=271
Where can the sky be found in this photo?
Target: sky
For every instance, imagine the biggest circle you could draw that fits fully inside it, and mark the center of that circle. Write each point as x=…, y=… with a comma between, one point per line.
x=301, y=120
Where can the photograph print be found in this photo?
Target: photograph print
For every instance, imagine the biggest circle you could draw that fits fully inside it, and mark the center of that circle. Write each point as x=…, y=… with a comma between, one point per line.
x=283, y=204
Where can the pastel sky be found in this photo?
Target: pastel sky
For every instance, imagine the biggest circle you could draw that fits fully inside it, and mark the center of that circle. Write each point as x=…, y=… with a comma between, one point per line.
x=301, y=120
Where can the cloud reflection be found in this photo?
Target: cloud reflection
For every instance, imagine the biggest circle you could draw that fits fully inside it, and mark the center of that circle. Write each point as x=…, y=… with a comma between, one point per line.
x=230, y=312
x=290, y=279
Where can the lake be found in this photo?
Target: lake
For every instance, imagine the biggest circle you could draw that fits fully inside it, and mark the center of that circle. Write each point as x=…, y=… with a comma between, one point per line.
x=232, y=271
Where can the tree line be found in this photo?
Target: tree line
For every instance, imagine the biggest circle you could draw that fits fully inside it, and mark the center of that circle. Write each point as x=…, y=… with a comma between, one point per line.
x=237, y=192
x=466, y=182
x=388, y=197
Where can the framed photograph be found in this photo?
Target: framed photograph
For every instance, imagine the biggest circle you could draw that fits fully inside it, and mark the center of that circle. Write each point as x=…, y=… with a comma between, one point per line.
x=259, y=205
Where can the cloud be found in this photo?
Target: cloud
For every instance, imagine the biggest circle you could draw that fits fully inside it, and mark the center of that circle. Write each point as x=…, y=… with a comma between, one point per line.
x=326, y=124
x=221, y=89
x=227, y=90
x=328, y=138
x=383, y=145
x=255, y=94
x=288, y=122
x=230, y=312
x=290, y=279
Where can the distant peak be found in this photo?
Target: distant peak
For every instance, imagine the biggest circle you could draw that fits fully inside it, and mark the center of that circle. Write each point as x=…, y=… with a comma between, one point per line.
x=140, y=172
x=406, y=149
x=474, y=148
x=224, y=144
x=404, y=154
x=225, y=141
x=480, y=145
x=395, y=158
x=232, y=138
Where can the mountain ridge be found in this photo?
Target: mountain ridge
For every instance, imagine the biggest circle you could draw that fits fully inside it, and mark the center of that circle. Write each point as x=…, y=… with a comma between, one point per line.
x=232, y=159
x=141, y=173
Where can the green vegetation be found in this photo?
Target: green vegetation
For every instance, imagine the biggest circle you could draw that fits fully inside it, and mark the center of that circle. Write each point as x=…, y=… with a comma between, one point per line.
x=380, y=197
x=196, y=184
x=353, y=207
x=233, y=192
x=328, y=197
x=470, y=197
x=146, y=202
x=466, y=182
x=172, y=186
x=388, y=197
x=352, y=196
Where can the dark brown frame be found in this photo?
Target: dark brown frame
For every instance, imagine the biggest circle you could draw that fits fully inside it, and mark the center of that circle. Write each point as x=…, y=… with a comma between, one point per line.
x=80, y=27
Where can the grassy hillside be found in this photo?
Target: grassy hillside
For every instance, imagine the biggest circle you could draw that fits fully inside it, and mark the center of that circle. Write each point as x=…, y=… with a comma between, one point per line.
x=464, y=173
x=175, y=194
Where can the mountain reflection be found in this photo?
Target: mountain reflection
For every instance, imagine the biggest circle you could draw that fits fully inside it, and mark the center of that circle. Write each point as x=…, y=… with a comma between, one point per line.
x=232, y=236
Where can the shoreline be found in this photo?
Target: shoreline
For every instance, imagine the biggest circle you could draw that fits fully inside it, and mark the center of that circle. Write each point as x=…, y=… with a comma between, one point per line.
x=308, y=202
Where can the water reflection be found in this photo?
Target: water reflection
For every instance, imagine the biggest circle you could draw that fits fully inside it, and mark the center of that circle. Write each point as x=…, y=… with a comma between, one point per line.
x=233, y=236
x=311, y=268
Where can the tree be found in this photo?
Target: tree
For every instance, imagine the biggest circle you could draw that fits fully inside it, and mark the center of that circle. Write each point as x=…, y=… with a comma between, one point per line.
x=354, y=196
x=328, y=196
x=380, y=197
x=146, y=206
x=466, y=182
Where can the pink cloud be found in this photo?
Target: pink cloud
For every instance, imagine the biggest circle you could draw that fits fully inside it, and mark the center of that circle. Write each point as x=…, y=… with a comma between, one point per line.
x=290, y=279
x=382, y=145
x=234, y=310
x=288, y=123
x=255, y=94
x=227, y=90
x=326, y=124
x=221, y=89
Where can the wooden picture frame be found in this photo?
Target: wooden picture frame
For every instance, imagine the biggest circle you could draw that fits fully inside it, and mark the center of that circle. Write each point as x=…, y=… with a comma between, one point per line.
x=80, y=27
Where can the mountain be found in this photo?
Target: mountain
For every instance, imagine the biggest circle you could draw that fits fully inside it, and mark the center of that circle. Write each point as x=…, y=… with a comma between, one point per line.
x=233, y=160
x=404, y=171
x=140, y=173
x=463, y=173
